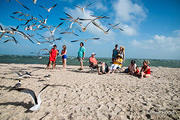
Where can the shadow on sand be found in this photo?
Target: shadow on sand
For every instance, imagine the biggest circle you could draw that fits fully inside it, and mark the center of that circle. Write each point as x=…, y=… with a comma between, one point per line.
x=81, y=71
x=25, y=105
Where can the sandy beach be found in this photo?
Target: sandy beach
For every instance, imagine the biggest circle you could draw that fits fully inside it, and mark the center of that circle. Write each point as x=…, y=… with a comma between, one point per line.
x=85, y=95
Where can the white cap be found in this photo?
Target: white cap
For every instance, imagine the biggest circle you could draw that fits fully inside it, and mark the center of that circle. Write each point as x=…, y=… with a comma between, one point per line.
x=93, y=53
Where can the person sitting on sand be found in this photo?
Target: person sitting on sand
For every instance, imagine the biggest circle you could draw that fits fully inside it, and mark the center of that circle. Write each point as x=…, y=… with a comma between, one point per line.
x=131, y=68
x=116, y=64
x=137, y=71
x=64, y=56
x=102, y=67
x=115, y=52
x=81, y=55
x=52, y=57
x=145, y=70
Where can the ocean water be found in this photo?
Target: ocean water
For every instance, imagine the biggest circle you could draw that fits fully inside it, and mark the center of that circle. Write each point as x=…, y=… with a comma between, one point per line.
x=73, y=61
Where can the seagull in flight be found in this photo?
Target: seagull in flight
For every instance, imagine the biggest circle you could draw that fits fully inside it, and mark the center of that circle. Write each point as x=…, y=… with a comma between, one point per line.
x=116, y=26
x=85, y=39
x=34, y=1
x=36, y=99
x=95, y=24
x=21, y=33
x=48, y=9
x=83, y=8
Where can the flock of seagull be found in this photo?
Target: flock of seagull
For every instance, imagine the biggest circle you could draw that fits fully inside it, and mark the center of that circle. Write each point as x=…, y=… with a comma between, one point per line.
x=31, y=23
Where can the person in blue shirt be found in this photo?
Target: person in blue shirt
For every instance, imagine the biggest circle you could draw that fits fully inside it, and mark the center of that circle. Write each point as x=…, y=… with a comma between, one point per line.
x=115, y=53
x=81, y=55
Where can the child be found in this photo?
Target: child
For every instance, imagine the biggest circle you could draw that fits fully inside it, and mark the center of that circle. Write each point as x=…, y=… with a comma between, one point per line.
x=145, y=70
x=52, y=57
x=117, y=63
x=64, y=56
x=137, y=71
x=132, y=67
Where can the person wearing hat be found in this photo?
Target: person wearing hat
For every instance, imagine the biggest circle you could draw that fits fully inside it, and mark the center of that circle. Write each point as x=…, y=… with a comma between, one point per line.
x=94, y=64
x=117, y=63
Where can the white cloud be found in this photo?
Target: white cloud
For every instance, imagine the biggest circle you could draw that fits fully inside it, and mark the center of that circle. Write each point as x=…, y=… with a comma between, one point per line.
x=128, y=30
x=127, y=11
x=159, y=42
x=100, y=6
x=177, y=32
x=130, y=14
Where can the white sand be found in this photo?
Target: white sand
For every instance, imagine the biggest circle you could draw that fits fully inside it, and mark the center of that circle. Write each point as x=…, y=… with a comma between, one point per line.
x=88, y=96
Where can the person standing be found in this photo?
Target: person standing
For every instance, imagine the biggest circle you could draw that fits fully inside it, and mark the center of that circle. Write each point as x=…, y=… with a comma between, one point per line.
x=122, y=52
x=81, y=55
x=115, y=52
x=64, y=56
x=52, y=57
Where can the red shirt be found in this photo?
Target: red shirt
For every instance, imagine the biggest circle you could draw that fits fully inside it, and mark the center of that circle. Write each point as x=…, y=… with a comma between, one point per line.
x=93, y=60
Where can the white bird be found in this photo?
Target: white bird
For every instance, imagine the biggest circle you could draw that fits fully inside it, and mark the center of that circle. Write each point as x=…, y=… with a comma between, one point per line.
x=83, y=8
x=17, y=85
x=36, y=99
x=116, y=26
x=48, y=9
x=34, y=1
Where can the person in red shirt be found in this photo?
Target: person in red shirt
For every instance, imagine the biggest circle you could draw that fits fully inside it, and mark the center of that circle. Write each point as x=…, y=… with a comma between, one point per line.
x=94, y=64
x=145, y=70
x=52, y=57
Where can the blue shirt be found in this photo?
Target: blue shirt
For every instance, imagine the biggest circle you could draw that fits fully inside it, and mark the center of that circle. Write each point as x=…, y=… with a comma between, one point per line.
x=115, y=53
x=81, y=51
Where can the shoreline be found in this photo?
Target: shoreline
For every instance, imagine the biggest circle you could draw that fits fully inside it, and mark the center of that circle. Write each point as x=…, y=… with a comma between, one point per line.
x=59, y=66
x=84, y=95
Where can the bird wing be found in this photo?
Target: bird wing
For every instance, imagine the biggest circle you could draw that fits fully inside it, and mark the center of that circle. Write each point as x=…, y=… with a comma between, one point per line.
x=30, y=92
x=39, y=96
x=64, y=32
x=74, y=40
x=43, y=7
x=68, y=15
x=75, y=34
x=35, y=108
x=54, y=6
x=58, y=26
x=17, y=18
x=98, y=26
x=1, y=28
x=22, y=33
x=43, y=88
x=23, y=5
x=121, y=29
x=11, y=40
x=2, y=35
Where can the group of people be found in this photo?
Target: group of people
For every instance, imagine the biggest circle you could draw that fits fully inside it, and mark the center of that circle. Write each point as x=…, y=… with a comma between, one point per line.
x=118, y=57
x=53, y=53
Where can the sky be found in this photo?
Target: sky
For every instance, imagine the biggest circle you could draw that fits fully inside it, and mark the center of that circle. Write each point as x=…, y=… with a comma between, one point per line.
x=151, y=27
